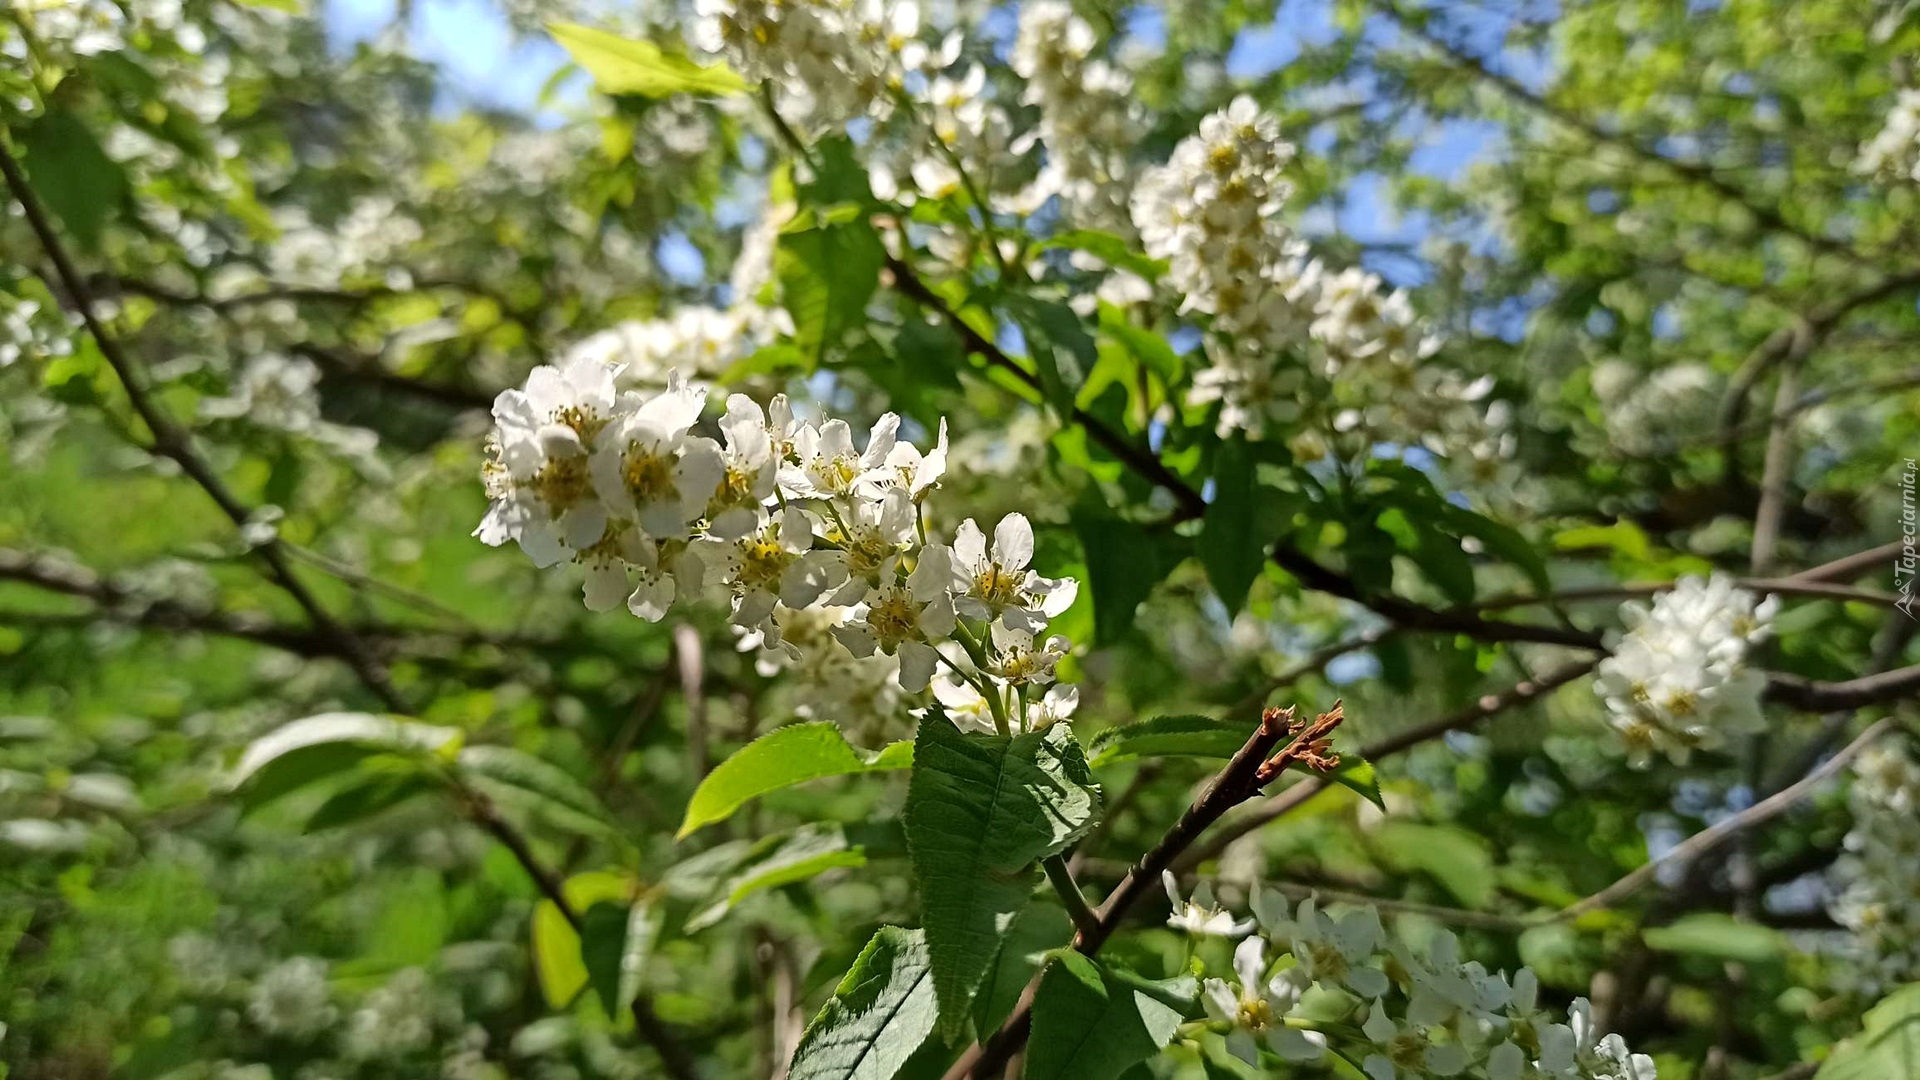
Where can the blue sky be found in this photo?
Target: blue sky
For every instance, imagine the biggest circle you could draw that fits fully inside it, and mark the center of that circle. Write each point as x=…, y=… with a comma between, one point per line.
x=487, y=64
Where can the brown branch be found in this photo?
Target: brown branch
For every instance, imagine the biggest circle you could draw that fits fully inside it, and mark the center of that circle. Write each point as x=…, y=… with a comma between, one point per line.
x=1239, y=781
x=1714, y=835
x=1816, y=696
x=175, y=443
x=1484, y=707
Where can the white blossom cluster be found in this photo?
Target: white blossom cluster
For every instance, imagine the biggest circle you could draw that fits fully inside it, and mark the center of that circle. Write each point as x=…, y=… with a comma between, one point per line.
x=1677, y=680
x=292, y=999
x=1420, y=1013
x=1212, y=211
x=282, y=393
x=1640, y=405
x=1877, y=881
x=778, y=516
x=364, y=242
x=1895, y=151
x=1088, y=118
x=829, y=61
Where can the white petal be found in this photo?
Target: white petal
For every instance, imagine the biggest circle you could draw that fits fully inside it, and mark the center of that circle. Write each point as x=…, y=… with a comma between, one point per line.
x=1013, y=542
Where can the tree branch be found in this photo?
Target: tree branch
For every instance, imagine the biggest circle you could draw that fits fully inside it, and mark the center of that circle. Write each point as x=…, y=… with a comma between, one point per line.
x=1240, y=780
x=175, y=443
x=1714, y=835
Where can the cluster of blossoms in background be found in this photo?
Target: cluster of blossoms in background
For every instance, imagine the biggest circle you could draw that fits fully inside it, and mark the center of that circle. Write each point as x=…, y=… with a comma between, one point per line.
x=1895, y=151
x=1877, y=881
x=1677, y=681
x=1413, y=1014
x=784, y=521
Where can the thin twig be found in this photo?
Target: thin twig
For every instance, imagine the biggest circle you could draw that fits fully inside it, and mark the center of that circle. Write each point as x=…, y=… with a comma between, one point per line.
x=1714, y=835
x=1060, y=876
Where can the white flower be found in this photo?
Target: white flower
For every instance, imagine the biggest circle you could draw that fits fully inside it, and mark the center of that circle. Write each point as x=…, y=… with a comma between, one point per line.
x=773, y=564
x=1201, y=915
x=1895, y=151
x=1338, y=952
x=646, y=466
x=292, y=999
x=747, y=481
x=827, y=465
x=1254, y=1008
x=538, y=475
x=1876, y=882
x=908, y=469
x=903, y=619
x=1406, y=1051
x=1677, y=681
x=871, y=540
x=994, y=583
x=1018, y=662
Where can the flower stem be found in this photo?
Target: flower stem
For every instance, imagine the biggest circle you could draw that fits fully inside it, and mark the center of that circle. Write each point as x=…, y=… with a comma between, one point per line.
x=1062, y=881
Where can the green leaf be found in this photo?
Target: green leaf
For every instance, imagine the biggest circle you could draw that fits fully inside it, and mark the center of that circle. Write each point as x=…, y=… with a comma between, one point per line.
x=881, y=1013
x=72, y=175
x=1357, y=773
x=557, y=956
x=1459, y=860
x=1035, y=933
x=1090, y=1024
x=316, y=747
x=379, y=791
x=1888, y=1044
x=804, y=853
x=1719, y=936
x=1109, y=249
x=1062, y=350
x=1501, y=541
x=1183, y=735
x=1145, y=346
x=1124, y=563
x=615, y=939
x=782, y=758
x=827, y=273
x=510, y=775
x=622, y=66
x=1229, y=547
x=981, y=810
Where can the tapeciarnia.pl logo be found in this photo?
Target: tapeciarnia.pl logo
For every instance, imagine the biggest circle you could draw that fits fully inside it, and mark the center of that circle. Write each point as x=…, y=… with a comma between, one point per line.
x=1905, y=566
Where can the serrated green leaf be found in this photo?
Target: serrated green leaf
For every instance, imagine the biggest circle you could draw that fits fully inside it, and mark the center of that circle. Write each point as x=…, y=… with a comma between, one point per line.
x=1719, y=936
x=367, y=797
x=1183, y=735
x=1035, y=933
x=505, y=773
x=1089, y=1024
x=615, y=940
x=1230, y=549
x=779, y=759
x=1063, y=352
x=880, y=1015
x=624, y=66
x=981, y=810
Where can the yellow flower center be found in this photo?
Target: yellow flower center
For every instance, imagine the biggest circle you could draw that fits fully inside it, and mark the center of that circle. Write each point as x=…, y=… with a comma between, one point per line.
x=763, y=561
x=895, y=617
x=1256, y=1014
x=648, y=476
x=562, y=483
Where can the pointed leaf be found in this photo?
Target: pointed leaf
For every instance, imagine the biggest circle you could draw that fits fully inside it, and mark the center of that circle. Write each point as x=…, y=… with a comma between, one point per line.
x=981, y=810
x=1230, y=548
x=879, y=1016
x=1089, y=1024
x=782, y=758
x=624, y=66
